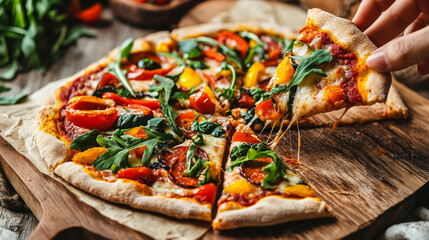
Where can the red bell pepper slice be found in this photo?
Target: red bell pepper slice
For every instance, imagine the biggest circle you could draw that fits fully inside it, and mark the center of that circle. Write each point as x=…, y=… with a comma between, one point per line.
x=152, y=104
x=135, y=73
x=232, y=40
x=213, y=54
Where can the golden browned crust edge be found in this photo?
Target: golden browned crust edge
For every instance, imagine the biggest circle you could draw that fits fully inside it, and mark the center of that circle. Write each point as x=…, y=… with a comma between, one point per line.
x=126, y=193
x=347, y=33
x=212, y=28
x=269, y=211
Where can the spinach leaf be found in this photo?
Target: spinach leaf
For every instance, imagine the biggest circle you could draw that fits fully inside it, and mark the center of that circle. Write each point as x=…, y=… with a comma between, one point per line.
x=99, y=92
x=249, y=115
x=131, y=120
x=85, y=141
x=190, y=49
x=148, y=64
x=206, y=127
x=157, y=124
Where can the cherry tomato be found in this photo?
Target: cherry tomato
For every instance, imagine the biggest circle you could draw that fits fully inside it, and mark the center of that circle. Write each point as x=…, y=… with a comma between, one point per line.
x=244, y=137
x=201, y=102
x=91, y=14
x=266, y=110
x=206, y=192
x=232, y=40
x=91, y=112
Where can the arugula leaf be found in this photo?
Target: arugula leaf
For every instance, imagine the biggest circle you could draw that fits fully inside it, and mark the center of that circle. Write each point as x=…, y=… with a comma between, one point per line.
x=207, y=175
x=166, y=84
x=183, y=95
x=131, y=120
x=190, y=157
x=147, y=154
x=196, y=169
x=257, y=93
x=152, y=133
x=148, y=64
x=115, y=67
x=206, y=127
x=229, y=92
x=198, y=139
x=190, y=49
x=85, y=141
x=170, y=115
x=119, y=146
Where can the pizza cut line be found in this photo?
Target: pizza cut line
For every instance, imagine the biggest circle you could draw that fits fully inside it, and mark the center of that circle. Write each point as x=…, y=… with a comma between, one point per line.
x=151, y=124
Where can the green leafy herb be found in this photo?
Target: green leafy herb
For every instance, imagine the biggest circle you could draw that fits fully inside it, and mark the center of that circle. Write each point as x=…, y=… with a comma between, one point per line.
x=258, y=49
x=119, y=146
x=99, y=92
x=249, y=115
x=229, y=92
x=190, y=49
x=25, y=23
x=170, y=115
x=131, y=120
x=148, y=64
x=206, y=127
x=10, y=100
x=198, y=139
x=248, y=152
x=194, y=168
x=157, y=124
x=115, y=67
x=165, y=84
x=85, y=141
x=179, y=60
x=197, y=65
x=183, y=95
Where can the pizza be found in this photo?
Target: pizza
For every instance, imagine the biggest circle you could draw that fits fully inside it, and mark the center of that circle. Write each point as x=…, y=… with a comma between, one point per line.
x=153, y=124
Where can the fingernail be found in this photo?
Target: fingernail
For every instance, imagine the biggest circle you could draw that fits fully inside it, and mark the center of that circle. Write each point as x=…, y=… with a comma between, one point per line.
x=377, y=61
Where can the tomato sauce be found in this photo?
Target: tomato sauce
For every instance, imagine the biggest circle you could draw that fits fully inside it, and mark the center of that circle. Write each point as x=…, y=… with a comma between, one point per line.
x=340, y=55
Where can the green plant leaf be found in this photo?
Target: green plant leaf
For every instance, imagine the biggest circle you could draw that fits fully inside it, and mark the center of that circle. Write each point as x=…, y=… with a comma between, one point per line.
x=131, y=120
x=10, y=71
x=85, y=141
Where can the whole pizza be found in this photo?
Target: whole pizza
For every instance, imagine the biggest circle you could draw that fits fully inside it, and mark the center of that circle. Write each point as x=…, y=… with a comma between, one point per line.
x=166, y=123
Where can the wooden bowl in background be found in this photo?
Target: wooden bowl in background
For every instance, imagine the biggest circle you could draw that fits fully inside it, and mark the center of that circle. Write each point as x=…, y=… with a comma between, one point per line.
x=150, y=15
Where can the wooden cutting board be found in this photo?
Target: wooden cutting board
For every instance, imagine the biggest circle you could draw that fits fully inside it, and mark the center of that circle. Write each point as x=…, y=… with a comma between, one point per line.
x=371, y=175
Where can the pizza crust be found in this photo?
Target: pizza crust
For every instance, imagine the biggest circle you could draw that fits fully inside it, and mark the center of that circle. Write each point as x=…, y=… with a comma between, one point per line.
x=376, y=86
x=269, y=211
x=126, y=193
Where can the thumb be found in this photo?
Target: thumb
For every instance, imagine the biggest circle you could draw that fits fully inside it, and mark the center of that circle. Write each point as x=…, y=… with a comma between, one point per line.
x=401, y=52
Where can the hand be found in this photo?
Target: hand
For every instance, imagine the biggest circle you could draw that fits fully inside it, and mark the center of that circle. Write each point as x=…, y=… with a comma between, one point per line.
x=383, y=20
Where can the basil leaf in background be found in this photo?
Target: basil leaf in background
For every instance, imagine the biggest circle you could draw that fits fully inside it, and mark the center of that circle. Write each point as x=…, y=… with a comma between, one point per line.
x=99, y=92
x=85, y=141
x=4, y=89
x=10, y=100
x=170, y=115
x=10, y=71
x=148, y=64
x=197, y=65
x=77, y=32
x=131, y=120
x=190, y=49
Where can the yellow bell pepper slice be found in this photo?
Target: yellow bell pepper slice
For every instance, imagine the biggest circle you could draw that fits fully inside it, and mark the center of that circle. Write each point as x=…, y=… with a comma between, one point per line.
x=88, y=156
x=189, y=78
x=285, y=71
x=300, y=190
x=254, y=74
x=239, y=187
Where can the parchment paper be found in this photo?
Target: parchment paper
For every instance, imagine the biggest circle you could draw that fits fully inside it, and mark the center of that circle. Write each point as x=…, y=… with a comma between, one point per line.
x=16, y=124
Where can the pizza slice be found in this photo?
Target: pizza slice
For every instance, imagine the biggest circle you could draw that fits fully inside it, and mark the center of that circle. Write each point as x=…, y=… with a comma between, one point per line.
x=259, y=188
x=323, y=70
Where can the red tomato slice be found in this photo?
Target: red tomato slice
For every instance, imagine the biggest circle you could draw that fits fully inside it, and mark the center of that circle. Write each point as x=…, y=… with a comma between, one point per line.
x=246, y=101
x=206, y=192
x=244, y=137
x=266, y=111
x=140, y=173
x=108, y=79
x=201, y=102
x=91, y=14
x=232, y=40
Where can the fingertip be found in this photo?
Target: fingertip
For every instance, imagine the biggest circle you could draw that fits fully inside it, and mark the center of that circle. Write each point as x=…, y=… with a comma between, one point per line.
x=423, y=67
x=377, y=61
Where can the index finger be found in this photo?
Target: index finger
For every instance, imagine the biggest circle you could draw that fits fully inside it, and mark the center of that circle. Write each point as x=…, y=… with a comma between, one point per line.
x=369, y=11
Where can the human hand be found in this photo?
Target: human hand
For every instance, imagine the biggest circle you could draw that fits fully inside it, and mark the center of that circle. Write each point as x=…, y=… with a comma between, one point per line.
x=383, y=20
